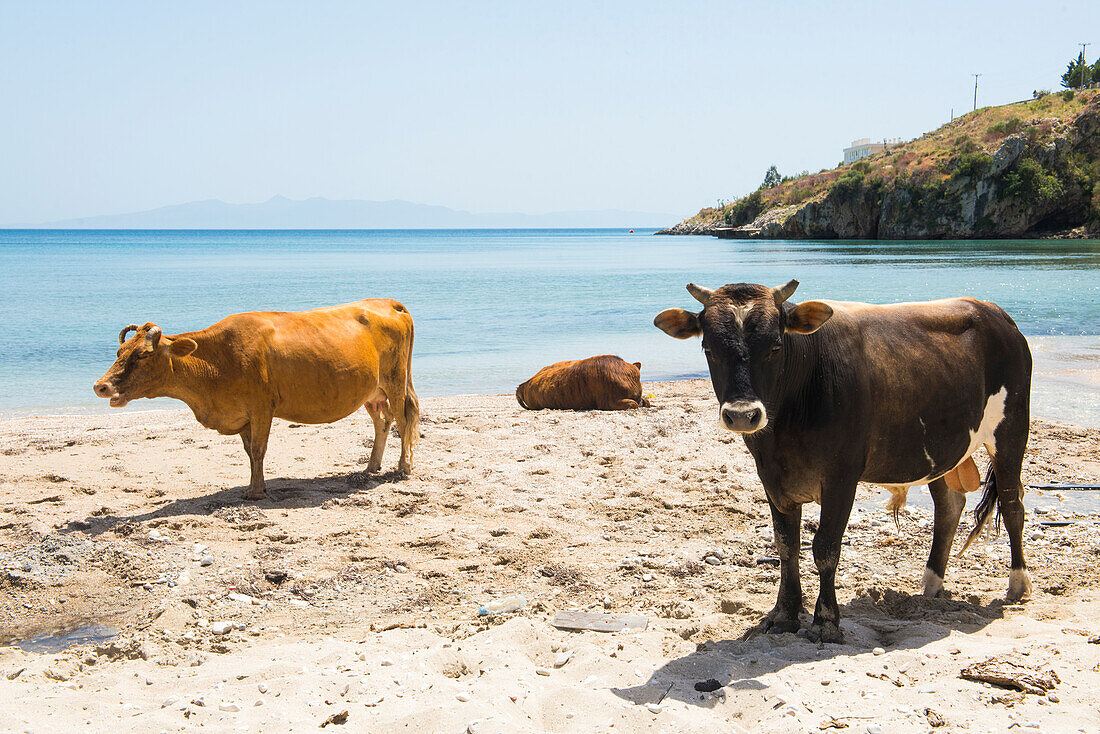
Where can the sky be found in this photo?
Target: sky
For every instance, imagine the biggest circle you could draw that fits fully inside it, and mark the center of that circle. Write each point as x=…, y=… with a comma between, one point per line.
x=111, y=107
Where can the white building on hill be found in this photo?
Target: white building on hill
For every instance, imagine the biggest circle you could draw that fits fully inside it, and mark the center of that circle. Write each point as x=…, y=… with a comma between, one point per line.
x=864, y=147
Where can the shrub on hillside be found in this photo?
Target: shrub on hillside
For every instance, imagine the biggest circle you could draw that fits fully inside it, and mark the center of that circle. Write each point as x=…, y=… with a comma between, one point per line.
x=1031, y=184
x=972, y=165
x=745, y=210
x=1006, y=127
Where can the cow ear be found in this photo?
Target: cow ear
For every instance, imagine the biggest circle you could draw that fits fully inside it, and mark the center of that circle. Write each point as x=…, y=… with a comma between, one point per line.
x=678, y=323
x=806, y=318
x=638, y=365
x=182, y=347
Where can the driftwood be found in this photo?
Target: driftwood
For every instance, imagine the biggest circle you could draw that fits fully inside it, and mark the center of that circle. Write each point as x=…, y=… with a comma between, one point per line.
x=1003, y=672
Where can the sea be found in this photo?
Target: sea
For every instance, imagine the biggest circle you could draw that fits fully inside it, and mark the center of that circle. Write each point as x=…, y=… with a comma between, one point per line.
x=491, y=307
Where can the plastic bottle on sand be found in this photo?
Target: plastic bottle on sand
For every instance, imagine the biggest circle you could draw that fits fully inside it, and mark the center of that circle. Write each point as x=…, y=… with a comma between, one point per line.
x=500, y=606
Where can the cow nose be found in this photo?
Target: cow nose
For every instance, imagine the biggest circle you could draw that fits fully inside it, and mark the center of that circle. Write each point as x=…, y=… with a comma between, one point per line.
x=102, y=389
x=744, y=416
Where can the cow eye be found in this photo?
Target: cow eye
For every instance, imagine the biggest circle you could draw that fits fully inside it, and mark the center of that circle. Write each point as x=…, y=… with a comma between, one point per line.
x=777, y=346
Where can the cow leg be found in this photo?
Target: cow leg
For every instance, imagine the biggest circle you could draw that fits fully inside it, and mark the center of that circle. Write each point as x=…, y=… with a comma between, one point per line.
x=624, y=404
x=406, y=411
x=246, y=439
x=949, y=507
x=258, y=429
x=787, y=526
x=383, y=419
x=1008, y=457
x=836, y=506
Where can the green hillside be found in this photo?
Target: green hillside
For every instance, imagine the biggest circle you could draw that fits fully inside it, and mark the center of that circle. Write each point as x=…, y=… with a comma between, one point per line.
x=1030, y=168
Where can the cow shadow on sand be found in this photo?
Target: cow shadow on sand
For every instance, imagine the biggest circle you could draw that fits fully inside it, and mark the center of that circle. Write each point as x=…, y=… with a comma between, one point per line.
x=282, y=494
x=899, y=623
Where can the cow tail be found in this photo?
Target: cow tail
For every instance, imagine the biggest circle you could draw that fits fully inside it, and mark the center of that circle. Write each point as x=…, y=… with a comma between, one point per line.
x=412, y=402
x=985, y=508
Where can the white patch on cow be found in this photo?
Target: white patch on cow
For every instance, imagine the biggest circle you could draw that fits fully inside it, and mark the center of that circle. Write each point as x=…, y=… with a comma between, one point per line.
x=924, y=432
x=992, y=416
x=1019, y=585
x=933, y=582
x=740, y=312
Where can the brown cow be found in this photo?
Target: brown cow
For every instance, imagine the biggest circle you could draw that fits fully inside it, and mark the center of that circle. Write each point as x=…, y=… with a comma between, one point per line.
x=597, y=383
x=828, y=394
x=308, y=367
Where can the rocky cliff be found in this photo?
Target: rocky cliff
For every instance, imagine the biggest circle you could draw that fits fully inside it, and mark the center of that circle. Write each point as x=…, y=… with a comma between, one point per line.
x=1028, y=169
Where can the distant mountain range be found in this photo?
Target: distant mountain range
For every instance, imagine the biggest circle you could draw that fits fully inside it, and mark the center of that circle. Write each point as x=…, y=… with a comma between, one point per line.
x=280, y=212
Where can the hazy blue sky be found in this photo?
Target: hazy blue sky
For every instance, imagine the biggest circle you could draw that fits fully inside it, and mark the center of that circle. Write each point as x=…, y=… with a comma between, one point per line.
x=660, y=106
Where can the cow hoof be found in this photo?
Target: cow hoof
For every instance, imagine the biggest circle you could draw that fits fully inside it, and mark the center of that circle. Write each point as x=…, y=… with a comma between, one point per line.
x=933, y=583
x=825, y=632
x=779, y=621
x=1019, y=585
x=254, y=494
x=372, y=468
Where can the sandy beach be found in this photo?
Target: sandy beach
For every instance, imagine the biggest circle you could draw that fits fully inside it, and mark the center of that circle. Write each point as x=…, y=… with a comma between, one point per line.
x=343, y=592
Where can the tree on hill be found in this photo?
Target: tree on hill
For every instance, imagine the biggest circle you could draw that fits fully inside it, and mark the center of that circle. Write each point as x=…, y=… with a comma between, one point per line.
x=771, y=178
x=1079, y=71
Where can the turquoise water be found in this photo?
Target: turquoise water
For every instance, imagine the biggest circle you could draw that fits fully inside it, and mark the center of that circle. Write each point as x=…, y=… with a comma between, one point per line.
x=493, y=306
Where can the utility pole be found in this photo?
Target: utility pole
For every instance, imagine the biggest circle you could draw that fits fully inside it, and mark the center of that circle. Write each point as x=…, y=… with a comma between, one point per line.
x=975, y=89
x=1084, y=65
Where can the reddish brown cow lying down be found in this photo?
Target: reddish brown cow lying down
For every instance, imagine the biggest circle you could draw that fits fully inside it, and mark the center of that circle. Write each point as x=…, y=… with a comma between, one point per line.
x=597, y=383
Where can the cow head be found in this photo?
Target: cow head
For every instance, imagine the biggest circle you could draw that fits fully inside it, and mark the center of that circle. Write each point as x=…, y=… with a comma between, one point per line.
x=745, y=329
x=143, y=367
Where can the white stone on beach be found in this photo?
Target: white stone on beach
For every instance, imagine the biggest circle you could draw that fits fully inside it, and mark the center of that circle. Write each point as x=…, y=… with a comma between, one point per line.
x=221, y=628
x=230, y=707
x=385, y=662
x=562, y=658
x=878, y=651
x=542, y=671
x=155, y=534
x=243, y=598
x=206, y=561
x=262, y=687
x=654, y=708
x=169, y=701
x=463, y=697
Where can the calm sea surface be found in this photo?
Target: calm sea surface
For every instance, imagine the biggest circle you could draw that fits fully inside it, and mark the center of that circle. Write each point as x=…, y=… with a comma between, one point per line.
x=491, y=307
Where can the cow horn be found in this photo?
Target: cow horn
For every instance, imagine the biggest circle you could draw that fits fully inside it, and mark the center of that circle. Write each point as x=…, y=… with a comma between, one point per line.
x=783, y=292
x=700, y=294
x=152, y=338
x=126, y=330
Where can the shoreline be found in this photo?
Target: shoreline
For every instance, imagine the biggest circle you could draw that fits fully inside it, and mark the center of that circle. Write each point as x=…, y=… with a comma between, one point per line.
x=1067, y=367
x=350, y=592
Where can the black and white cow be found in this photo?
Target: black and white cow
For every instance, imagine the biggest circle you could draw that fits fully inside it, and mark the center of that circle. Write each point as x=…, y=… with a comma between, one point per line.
x=828, y=394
